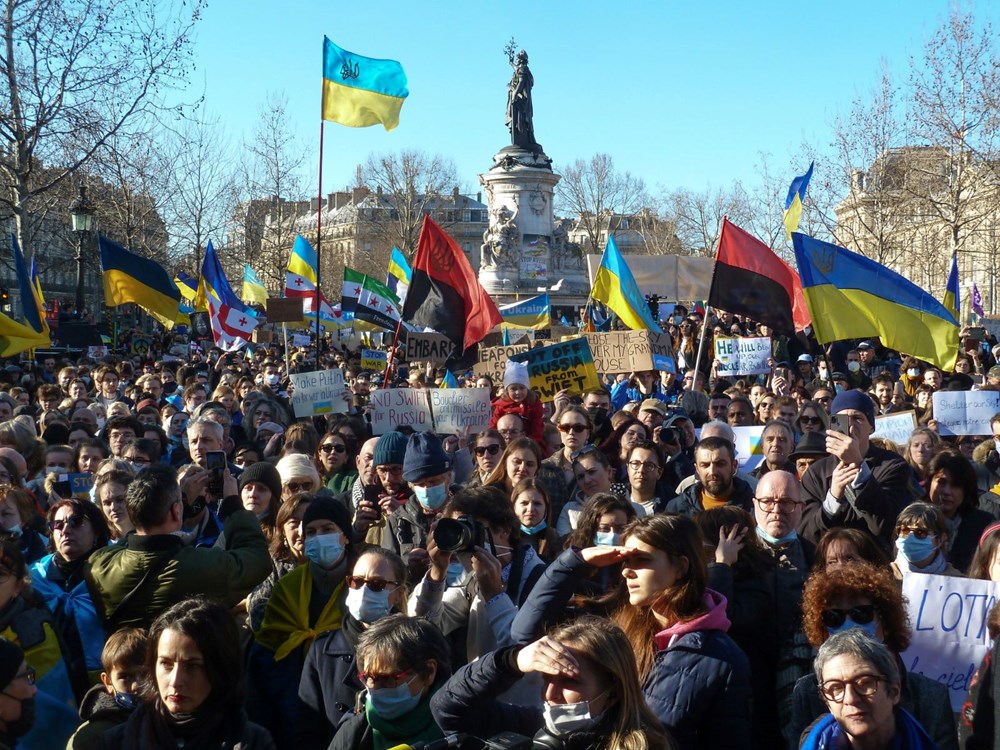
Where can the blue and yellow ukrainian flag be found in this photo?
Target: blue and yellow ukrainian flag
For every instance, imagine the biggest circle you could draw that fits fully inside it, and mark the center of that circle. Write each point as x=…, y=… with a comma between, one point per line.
x=850, y=297
x=253, y=288
x=449, y=380
x=952, y=302
x=399, y=274
x=32, y=331
x=615, y=286
x=534, y=313
x=188, y=285
x=131, y=278
x=795, y=199
x=361, y=91
x=36, y=283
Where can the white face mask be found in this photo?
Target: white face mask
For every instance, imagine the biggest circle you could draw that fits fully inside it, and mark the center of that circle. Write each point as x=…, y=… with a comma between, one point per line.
x=366, y=605
x=562, y=719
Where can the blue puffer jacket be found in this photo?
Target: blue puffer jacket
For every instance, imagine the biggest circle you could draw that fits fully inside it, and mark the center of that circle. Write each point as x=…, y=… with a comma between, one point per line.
x=699, y=684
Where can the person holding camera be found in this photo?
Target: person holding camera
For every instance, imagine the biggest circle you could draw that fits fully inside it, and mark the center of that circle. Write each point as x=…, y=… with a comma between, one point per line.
x=480, y=573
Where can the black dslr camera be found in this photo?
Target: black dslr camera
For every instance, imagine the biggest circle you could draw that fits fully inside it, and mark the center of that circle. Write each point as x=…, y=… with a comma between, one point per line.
x=462, y=534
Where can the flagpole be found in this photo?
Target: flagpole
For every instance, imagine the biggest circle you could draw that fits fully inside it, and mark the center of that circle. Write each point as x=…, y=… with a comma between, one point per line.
x=708, y=307
x=319, y=242
x=284, y=330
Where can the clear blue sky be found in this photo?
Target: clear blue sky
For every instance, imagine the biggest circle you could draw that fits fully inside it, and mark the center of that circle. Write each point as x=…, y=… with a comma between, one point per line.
x=682, y=94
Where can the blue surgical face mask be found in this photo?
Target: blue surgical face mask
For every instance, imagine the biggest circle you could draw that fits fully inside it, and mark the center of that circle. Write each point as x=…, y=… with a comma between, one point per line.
x=913, y=372
x=431, y=498
x=455, y=572
x=789, y=537
x=607, y=539
x=839, y=387
x=325, y=550
x=532, y=530
x=391, y=703
x=126, y=700
x=869, y=628
x=915, y=550
x=366, y=605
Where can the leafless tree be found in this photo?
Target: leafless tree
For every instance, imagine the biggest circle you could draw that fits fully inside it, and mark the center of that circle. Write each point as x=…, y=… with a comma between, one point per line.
x=594, y=193
x=697, y=215
x=77, y=73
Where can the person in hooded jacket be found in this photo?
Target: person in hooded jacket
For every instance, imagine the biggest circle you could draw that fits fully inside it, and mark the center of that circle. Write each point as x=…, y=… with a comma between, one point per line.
x=17, y=695
x=695, y=678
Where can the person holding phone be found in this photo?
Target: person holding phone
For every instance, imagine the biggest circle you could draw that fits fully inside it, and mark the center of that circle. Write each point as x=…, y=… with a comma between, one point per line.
x=858, y=485
x=204, y=483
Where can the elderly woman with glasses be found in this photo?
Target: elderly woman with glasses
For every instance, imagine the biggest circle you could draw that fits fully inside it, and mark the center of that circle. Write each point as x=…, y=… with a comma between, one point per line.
x=858, y=596
x=860, y=684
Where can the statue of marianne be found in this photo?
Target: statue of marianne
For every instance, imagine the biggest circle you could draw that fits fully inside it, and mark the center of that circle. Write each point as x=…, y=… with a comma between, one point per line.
x=519, y=110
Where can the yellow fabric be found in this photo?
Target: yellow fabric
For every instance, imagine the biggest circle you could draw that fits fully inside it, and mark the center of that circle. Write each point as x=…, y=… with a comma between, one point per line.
x=286, y=619
x=42, y=656
x=710, y=502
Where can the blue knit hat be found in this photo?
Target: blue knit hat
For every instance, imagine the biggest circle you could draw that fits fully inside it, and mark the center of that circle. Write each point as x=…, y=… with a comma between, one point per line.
x=425, y=457
x=857, y=400
x=390, y=449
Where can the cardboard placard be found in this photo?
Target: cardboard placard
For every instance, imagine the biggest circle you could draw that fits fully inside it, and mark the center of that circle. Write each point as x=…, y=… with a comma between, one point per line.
x=319, y=392
x=399, y=407
x=949, y=637
x=262, y=336
x=895, y=427
x=568, y=365
x=456, y=408
x=373, y=359
x=493, y=360
x=631, y=351
x=965, y=412
x=428, y=347
x=284, y=310
x=742, y=355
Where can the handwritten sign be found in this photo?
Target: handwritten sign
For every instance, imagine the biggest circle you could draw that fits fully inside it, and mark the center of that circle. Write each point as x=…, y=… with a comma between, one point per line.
x=400, y=407
x=965, y=412
x=568, y=365
x=300, y=339
x=742, y=355
x=428, y=347
x=895, y=427
x=318, y=392
x=493, y=360
x=631, y=351
x=949, y=637
x=373, y=359
x=456, y=408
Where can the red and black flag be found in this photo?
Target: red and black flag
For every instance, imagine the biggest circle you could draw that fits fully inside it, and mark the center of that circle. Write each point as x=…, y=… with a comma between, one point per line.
x=445, y=293
x=751, y=280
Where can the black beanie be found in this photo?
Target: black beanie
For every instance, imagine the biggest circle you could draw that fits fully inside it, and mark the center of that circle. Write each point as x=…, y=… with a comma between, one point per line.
x=265, y=473
x=330, y=509
x=11, y=658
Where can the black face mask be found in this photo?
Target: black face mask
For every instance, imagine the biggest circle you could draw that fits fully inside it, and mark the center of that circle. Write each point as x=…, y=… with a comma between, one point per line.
x=598, y=415
x=21, y=726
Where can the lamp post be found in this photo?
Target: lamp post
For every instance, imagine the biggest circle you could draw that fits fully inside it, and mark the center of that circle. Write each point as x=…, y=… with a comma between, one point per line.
x=82, y=214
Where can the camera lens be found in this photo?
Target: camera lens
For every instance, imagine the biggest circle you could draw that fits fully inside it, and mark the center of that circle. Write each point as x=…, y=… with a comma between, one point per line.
x=453, y=535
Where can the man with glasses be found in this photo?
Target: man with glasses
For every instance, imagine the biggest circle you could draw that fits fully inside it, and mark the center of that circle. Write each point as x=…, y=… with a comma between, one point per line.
x=715, y=465
x=644, y=466
x=510, y=427
x=859, y=485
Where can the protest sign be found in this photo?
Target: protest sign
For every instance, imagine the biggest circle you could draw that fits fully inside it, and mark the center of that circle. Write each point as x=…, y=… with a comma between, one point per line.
x=300, y=339
x=748, y=446
x=965, y=412
x=78, y=484
x=742, y=355
x=399, y=407
x=895, y=427
x=284, y=310
x=631, y=351
x=453, y=409
x=373, y=359
x=568, y=365
x=428, y=347
x=318, y=392
x=949, y=637
x=97, y=352
x=493, y=360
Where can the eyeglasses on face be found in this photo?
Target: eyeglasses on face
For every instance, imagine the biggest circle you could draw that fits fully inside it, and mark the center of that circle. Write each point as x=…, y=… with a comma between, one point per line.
x=333, y=448
x=373, y=681
x=375, y=584
x=574, y=428
x=304, y=486
x=860, y=615
x=784, y=504
x=74, y=522
x=482, y=450
x=865, y=685
x=394, y=470
x=643, y=466
x=28, y=675
x=905, y=531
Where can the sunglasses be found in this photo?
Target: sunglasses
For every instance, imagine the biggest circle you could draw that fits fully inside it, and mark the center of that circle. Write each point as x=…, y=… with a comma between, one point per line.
x=574, y=428
x=375, y=584
x=918, y=533
x=73, y=522
x=294, y=487
x=333, y=448
x=810, y=420
x=861, y=615
x=482, y=450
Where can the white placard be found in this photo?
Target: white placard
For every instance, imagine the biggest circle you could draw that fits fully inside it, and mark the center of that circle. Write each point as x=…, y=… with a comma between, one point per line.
x=749, y=451
x=949, y=637
x=965, y=412
x=400, y=407
x=742, y=355
x=456, y=408
x=300, y=339
x=895, y=427
x=319, y=392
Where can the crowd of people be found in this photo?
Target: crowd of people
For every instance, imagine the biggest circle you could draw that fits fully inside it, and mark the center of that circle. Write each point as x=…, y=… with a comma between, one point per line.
x=186, y=564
